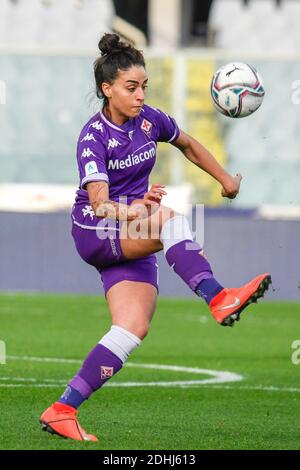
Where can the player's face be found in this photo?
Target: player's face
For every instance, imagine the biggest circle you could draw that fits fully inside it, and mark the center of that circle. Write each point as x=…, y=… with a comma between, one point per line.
x=127, y=93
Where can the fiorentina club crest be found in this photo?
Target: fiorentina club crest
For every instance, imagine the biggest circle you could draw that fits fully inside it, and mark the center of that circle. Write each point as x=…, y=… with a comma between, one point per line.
x=106, y=372
x=146, y=127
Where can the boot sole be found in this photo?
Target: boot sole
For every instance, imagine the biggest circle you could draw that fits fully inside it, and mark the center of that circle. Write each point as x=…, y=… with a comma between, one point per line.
x=47, y=428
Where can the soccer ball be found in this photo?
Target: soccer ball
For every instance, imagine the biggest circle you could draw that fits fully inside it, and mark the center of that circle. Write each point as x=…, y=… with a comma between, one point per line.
x=237, y=90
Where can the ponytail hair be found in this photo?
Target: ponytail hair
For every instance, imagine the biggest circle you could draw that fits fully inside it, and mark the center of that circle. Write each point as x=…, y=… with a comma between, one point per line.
x=116, y=55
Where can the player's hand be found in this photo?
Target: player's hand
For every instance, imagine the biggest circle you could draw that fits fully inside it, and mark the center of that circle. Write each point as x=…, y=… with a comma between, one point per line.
x=232, y=187
x=154, y=195
x=150, y=203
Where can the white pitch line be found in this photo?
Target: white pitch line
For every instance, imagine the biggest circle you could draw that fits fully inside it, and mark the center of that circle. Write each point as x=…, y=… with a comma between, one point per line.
x=216, y=376
x=28, y=385
x=263, y=388
x=191, y=370
x=169, y=384
x=44, y=359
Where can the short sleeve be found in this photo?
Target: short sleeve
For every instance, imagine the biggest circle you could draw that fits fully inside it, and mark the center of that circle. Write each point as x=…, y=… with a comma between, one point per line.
x=91, y=157
x=167, y=128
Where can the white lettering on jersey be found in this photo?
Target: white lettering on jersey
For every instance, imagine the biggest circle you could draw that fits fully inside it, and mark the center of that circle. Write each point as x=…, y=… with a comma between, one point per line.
x=87, y=153
x=131, y=160
x=112, y=143
x=87, y=210
x=88, y=137
x=91, y=168
x=98, y=126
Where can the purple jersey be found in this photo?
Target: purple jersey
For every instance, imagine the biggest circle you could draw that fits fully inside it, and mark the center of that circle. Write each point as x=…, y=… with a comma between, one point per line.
x=123, y=156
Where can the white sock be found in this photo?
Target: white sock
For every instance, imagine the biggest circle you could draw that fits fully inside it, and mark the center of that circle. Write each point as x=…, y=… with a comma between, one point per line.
x=120, y=341
x=174, y=231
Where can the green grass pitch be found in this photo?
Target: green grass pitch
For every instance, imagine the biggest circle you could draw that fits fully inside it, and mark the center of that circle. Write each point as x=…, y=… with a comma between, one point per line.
x=261, y=411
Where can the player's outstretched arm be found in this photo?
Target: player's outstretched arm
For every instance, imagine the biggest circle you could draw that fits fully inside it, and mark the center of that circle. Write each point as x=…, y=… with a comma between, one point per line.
x=201, y=157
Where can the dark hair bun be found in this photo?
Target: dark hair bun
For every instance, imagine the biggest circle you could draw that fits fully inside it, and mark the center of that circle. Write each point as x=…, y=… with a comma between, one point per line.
x=108, y=42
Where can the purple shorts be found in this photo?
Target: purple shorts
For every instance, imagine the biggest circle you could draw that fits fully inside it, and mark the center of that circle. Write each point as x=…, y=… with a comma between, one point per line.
x=99, y=245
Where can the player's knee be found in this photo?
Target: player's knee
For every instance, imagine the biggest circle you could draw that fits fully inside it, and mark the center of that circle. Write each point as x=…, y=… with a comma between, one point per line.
x=142, y=329
x=174, y=230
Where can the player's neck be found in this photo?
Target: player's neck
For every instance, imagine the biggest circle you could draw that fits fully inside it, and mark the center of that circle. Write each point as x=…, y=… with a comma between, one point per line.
x=114, y=116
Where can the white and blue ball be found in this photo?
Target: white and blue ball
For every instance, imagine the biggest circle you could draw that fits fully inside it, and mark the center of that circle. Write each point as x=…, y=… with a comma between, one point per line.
x=237, y=90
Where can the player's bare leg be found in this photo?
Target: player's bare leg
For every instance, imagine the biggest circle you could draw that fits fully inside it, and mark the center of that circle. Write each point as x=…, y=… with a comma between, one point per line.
x=150, y=230
x=132, y=305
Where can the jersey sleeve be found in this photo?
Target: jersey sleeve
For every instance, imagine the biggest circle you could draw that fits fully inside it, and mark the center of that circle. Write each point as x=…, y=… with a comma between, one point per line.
x=167, y=128
x=91, y=157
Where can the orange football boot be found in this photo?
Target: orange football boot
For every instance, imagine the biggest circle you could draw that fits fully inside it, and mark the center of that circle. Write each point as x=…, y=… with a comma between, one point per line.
x=227, y=306
x=61, y=419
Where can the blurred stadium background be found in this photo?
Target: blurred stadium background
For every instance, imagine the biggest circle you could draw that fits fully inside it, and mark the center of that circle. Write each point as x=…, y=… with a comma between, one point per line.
x=47, y=50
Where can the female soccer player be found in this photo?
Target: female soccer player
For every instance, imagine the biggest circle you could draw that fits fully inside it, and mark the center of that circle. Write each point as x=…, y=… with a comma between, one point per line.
x=118, y=224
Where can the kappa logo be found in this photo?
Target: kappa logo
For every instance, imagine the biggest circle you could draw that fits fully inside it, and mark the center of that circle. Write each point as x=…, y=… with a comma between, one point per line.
x=88, y=137
x=146, y=127
x=87, y=152
x=98, y=126
x=106, y=372
x=87, y=210
x=112, y=143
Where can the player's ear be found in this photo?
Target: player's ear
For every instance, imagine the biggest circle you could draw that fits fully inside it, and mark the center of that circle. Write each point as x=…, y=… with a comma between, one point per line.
x=106, y=89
